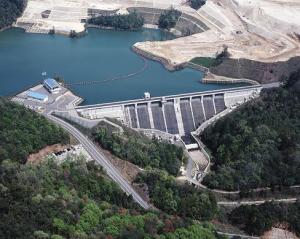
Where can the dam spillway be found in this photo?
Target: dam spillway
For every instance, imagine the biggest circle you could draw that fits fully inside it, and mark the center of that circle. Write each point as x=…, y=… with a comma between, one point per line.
x=175, y=114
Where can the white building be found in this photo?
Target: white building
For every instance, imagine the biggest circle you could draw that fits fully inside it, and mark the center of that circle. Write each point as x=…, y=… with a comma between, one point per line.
x=147, y=95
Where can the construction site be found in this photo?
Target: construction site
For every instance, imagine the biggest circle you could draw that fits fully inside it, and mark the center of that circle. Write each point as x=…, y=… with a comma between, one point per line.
x=262, y=36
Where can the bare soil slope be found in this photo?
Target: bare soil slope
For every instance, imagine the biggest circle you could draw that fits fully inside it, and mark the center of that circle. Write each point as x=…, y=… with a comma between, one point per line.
x=264, y=31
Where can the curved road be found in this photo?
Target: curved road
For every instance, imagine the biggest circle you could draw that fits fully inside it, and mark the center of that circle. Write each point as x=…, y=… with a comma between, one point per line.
x=258, y=202
x=100, y=158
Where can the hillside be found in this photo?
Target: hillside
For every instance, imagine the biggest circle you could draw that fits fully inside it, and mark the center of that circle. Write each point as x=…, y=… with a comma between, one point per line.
x=10, y=10
x=258, y=145
x=23, y=132
x=139, y=149
x=161, y=161
x=262, y=37
x=71, y=198
x=256, y=220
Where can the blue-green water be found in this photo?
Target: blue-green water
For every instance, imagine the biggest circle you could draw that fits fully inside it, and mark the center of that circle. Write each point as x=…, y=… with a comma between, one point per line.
x=98, y=56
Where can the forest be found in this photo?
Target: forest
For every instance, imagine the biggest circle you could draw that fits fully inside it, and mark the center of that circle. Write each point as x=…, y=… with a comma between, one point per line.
x=10, y=10
x=75, y=199
x=182, y=200
x=258, y=145
x=168, y=19
x=161, y=161
x=140, y=150
x=255, y=220
x=23, y=132
x=72, y=198
x=131, y=21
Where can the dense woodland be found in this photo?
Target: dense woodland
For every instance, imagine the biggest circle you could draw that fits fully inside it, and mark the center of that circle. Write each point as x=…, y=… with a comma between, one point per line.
x=54, y=199
x=140, y=150
x=182, y=200
x=10, y=10
x=168, y=19
x=258, y=145
x=75, y=199
x=131, y=21
x=258, y=219
x=23, y=132
x=72, y=198
x=162, y=162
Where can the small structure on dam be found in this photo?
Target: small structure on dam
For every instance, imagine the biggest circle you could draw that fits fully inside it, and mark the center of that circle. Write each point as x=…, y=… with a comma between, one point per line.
x=177, y=115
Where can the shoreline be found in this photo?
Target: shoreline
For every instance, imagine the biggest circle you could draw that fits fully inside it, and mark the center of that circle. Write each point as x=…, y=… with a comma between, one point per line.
x=228, y=81
x=6, y=28
x=207, y=78
x=169, y=66
x=111, y=28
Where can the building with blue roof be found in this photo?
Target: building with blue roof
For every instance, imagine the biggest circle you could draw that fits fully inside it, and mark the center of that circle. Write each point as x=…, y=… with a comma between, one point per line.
x=51, y=85
x=37, y=96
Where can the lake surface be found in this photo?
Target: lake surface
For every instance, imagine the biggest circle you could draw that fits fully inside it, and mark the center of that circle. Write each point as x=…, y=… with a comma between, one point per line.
x=99, y=56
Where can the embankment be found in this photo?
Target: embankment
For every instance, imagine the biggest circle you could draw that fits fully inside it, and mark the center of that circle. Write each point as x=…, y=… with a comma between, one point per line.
x=166, y=63
x=235, y=70
x=197, y=67
x=5, y=28
x=210, y=78
x=258, y=71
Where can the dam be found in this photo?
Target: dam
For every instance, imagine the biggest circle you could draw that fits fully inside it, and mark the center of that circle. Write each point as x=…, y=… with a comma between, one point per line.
x=177, y=115
x=178, y=119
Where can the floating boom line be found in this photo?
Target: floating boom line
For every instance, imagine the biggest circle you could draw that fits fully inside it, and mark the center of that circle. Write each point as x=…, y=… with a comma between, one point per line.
x=121, y=77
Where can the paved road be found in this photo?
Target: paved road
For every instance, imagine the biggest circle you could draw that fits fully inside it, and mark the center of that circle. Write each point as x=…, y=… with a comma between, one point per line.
x=100, y=158
x=231, y=235
x=238, y=203
x=271, y=85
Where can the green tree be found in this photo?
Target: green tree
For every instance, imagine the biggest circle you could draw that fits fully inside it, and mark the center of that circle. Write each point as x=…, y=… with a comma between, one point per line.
x=196, y=4
x=131, y=21
x=90, y=218
x=41, y=235
x=168, y=19
x=10, y=10
x=257, y=145
x=57, y=237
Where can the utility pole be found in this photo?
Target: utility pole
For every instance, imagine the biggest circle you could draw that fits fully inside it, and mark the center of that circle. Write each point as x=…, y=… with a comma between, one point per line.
x=44, y=74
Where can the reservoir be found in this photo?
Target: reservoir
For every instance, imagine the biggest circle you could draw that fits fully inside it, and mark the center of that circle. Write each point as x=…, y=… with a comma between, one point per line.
x=102, y=55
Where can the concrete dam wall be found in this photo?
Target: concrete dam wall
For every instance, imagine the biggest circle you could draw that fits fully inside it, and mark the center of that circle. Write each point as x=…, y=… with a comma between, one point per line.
x=176, y=115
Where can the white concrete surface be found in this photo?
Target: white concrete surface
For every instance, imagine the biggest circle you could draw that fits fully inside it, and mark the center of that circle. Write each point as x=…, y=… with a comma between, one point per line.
x=100, y=113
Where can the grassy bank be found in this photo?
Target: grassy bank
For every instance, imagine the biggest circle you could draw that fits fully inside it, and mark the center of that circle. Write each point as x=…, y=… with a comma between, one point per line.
x=204, y=61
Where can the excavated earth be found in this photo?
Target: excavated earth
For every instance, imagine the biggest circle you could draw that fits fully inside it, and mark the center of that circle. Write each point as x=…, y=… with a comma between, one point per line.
x=262, y=36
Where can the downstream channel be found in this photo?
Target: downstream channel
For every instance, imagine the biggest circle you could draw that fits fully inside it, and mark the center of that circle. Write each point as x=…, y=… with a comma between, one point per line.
x=98, y=57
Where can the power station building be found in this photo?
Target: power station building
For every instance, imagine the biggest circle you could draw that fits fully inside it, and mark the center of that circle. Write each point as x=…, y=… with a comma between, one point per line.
x=37, y=96
x=51, y=85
